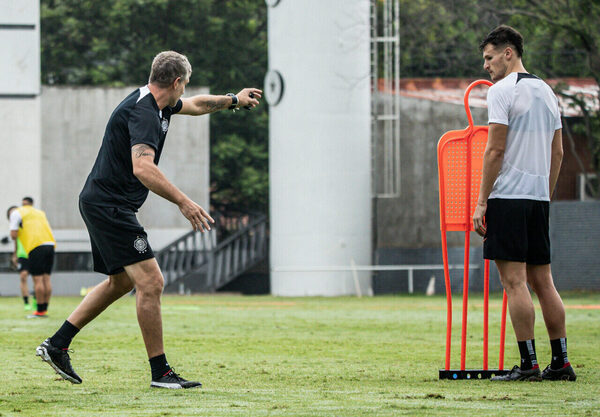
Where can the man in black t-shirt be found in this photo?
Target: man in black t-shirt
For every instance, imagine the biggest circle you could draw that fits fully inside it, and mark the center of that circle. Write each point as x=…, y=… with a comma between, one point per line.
x=124, y=171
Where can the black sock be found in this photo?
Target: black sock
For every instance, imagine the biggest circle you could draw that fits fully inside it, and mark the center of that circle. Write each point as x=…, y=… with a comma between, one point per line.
x=559, y=353
x=62, y=338
x=26, y=299
x=159, y=366
x=528, y=356
x=42, y=307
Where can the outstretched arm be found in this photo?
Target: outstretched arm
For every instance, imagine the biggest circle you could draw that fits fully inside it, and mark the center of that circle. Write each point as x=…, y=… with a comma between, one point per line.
x=144, y=168
x=203, y=104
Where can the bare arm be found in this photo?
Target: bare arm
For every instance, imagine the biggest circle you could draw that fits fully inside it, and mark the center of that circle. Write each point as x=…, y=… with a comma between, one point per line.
x=13, y=258
x=203, y=104
x=492, y=162
x=144, y=168
x=556, y=159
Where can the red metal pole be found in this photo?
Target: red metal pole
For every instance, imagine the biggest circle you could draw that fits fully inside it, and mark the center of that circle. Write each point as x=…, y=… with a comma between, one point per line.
x=448, y=300
x=463, y=339
x=486, y=299
x=502, y=332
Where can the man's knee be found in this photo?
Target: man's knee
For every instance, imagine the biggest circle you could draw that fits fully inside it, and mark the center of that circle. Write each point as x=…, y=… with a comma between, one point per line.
x=121, y=282
x=152, y=286
x=540, y=281
x=147, y=277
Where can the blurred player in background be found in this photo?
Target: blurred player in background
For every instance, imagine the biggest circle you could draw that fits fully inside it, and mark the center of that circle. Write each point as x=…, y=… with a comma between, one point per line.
x=31, y=227
x=22, y=265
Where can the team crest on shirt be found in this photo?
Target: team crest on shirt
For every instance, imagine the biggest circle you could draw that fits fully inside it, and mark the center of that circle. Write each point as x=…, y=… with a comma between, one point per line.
x=164, y=125
x=140, y=244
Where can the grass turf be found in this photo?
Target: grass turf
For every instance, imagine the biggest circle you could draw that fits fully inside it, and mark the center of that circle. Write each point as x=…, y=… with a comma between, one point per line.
x=266, y=356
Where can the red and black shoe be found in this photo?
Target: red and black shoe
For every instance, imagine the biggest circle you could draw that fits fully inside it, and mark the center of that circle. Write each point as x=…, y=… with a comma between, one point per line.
x=38, y=315
x=517, y=374
x=566, y=373
x=173, y=381
x=59, y=360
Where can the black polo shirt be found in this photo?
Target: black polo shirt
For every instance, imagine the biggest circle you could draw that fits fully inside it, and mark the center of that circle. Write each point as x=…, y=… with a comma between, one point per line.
x=136, y=120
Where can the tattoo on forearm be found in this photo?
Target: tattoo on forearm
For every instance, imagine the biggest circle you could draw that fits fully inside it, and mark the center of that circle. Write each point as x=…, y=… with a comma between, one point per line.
x=214, y=105
x=142, y=150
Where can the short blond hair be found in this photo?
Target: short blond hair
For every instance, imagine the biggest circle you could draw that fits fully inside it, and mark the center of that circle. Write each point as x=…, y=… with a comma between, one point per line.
x=167, y=66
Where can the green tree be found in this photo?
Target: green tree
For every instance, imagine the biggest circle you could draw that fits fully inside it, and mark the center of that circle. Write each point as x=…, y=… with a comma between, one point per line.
x=112, y=42
x=439, y=38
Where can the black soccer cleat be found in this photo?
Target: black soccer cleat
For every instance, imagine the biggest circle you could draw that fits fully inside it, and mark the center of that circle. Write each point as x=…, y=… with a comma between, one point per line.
x=173, y=381
x=59, y=360
x=562, y=374
x=517, y=374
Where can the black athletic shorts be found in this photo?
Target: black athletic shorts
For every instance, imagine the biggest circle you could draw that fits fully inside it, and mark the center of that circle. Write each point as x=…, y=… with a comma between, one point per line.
x=116, y=236
x=517, y=230
x=41, y=260
x=22, y=264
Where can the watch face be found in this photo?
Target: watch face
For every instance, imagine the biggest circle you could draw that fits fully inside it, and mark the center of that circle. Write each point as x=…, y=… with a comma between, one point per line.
x=273, y=86
x=272, y=3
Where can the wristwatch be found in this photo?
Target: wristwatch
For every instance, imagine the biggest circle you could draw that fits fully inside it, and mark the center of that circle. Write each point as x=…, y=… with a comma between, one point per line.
x=234, y=101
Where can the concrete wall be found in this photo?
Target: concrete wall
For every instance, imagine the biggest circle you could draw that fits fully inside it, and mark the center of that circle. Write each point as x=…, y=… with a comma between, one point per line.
x=20, y=168
x=574, y=227
x=73, y=123
x=63, y=283
x=413, y=220
x=20, y=152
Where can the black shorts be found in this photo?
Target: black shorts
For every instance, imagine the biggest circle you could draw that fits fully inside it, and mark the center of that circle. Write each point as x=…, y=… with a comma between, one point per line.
x=22, y=264
x=517, y=230
x=116, y=236
x=41, y=260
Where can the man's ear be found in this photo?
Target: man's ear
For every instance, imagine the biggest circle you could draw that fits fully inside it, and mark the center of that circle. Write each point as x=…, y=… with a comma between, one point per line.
x=176, y=83
x=508, y=52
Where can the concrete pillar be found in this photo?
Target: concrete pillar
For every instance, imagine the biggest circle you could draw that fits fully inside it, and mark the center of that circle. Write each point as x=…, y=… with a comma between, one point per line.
x=319, y=149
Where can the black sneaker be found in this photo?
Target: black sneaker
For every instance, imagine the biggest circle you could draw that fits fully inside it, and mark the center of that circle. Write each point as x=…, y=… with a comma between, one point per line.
x=562, y=374
x=517, y=374
x=59, y=360
x=173, y=381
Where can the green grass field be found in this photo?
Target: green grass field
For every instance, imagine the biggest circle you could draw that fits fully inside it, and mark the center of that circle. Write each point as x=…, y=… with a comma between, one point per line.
x=266, y=356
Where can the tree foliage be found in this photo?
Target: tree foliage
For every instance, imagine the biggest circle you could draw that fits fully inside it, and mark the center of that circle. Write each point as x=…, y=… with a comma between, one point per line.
x=439, y=38
x=562, y=39
x=112, y=42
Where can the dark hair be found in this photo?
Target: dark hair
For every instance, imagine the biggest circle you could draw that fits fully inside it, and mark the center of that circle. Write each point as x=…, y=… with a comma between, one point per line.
x=167, y=66
x=504, y=35
x=28, y=199
x=9, y=210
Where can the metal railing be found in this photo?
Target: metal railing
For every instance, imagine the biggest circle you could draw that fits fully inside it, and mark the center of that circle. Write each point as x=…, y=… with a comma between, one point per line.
x=187, y=254
x=238, y=253
x=197, y=255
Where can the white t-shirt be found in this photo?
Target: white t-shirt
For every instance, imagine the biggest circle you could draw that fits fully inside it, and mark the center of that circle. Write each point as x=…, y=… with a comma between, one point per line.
x=529, y=108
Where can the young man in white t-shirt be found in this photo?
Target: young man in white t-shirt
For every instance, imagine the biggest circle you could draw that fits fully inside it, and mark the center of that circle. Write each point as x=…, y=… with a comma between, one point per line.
x=520, y=168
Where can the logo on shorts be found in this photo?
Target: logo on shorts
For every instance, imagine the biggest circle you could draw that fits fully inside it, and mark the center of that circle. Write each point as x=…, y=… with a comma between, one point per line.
x=140, y=244
x=165, y=125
